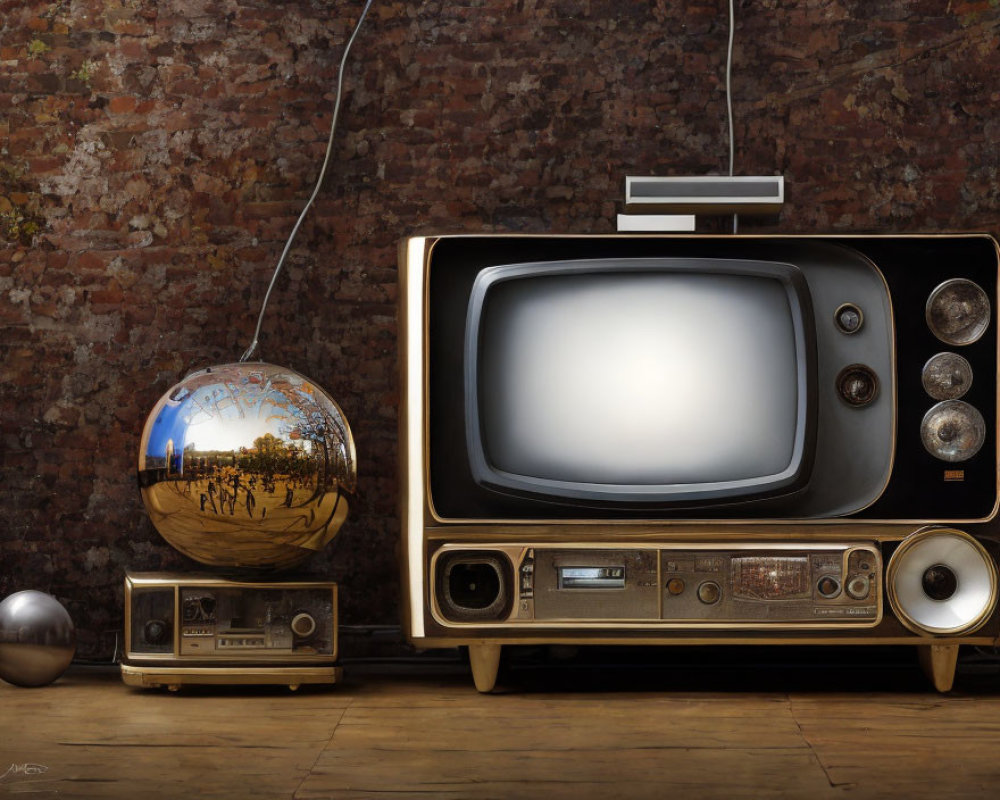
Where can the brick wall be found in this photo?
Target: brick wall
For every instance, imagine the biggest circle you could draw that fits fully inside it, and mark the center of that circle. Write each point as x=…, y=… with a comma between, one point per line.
x=155, y=155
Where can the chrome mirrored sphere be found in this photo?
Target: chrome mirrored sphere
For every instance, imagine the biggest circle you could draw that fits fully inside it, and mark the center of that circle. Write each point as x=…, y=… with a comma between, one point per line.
x=37, y=639
x=247, y=465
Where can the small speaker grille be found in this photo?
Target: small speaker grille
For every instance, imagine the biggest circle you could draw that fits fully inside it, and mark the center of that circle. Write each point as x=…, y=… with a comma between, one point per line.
x=474, y=586
x=152, y=621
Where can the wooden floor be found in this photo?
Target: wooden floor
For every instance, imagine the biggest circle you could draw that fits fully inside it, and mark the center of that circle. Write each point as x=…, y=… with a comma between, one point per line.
x=553, y=733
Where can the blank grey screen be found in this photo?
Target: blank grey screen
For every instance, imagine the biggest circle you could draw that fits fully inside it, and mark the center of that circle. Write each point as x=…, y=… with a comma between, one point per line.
x=638, y=378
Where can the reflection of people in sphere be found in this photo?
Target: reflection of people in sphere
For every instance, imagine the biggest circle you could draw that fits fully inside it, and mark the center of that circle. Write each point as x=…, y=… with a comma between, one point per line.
x=257, y=432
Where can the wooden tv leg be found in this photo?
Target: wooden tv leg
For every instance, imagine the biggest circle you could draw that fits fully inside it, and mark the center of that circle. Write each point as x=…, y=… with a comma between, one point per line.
x=938, y=662
x=485, y=662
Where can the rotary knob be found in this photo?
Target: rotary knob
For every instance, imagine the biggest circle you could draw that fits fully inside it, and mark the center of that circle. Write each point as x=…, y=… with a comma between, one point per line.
x=857, y=385
x=858, y=587
x=848, y=318
x=303, y=625
x=709, y=593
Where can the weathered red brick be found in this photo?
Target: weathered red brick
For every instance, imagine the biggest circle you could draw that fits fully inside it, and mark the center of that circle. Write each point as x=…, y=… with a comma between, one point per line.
x=455, y=118
x=122, y=104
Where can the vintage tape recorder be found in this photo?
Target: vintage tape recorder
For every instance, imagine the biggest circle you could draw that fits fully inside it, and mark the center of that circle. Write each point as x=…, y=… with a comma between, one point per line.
x=203, y=629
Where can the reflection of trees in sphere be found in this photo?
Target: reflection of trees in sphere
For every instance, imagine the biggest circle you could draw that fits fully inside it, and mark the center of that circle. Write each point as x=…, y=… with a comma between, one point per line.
x=37, y=639
x=247, y=465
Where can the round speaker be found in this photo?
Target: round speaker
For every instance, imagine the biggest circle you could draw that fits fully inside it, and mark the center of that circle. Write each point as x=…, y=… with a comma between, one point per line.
x=474, y=586
x=941, y=581
x=156, y=631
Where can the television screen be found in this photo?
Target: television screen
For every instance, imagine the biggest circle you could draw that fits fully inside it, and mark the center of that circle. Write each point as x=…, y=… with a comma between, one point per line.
x=678, y=380
x=630, y=378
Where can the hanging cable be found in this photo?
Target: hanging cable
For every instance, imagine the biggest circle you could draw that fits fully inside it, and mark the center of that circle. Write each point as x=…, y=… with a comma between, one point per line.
x=252, y=349
x=729, y=98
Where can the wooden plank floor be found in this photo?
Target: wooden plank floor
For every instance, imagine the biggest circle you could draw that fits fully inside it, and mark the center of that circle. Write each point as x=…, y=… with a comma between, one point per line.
x=400, y=734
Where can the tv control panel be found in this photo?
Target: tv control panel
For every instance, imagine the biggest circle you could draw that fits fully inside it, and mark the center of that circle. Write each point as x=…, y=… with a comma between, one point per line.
x=666, y=586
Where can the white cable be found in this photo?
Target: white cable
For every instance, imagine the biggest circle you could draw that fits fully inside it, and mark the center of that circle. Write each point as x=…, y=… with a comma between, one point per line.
x=729, y=86
x=729, y=98
x=319, y=182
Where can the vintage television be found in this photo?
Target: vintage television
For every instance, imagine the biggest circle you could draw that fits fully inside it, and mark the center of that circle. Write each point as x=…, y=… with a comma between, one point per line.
x=673, y=439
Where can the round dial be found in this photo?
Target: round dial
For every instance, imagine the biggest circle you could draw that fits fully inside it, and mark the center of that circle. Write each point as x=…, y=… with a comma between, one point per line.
x=303, y=624
x=953, y=431
x=857, y=385
x=828, y=586
x=946, y=376
x=849, y=318
x=709, y=592
x=958, y=311
x=858, y=587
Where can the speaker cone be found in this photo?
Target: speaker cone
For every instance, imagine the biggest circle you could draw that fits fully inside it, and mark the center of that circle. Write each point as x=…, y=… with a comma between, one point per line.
x=156, y=631
x=474, y=586
x=941, y=581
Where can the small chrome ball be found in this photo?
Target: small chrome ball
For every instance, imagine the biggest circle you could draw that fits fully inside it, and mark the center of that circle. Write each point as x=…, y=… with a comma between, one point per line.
x=37, y=639
x=247, y=465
